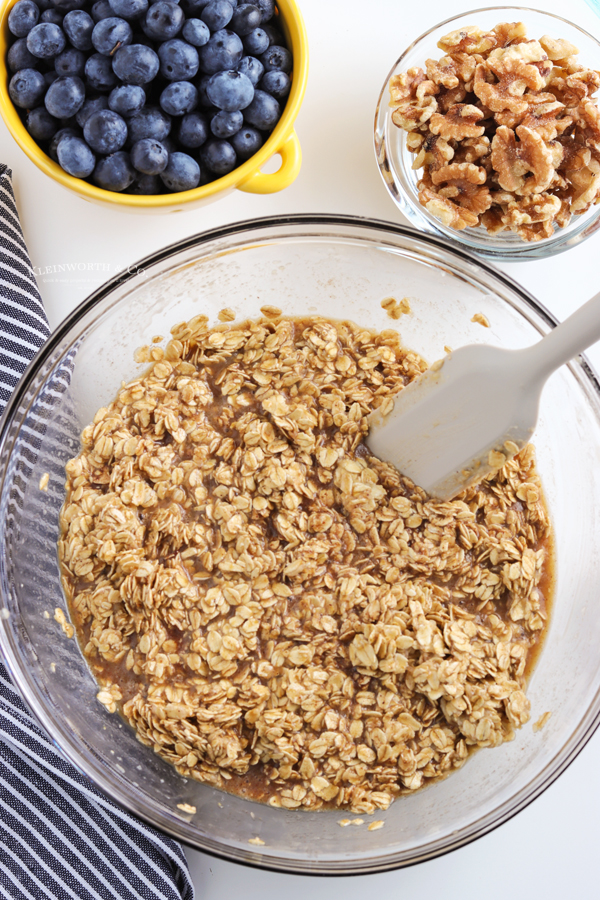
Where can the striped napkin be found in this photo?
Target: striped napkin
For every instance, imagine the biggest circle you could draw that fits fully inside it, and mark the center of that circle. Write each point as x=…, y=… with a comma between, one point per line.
x=60, y=837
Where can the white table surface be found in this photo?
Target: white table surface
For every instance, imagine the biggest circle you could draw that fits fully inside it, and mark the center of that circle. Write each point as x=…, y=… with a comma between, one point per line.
x=550, y=849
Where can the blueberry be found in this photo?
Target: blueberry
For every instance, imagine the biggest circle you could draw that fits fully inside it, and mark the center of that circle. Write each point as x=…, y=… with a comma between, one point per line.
x=149, y=156
x=252, y=68
x=230, y=90
x=44, y=4
x=256, y=42
x=90, y=105
x=225, y=124
x=276, y=83
x=78, y=26
x=263, y=112
x=70, y=62
x=163, y=20
x=105, y=131
x=65, y=96
x=110, y=34
x=136, y=64
x=66, y=6
x=50, y=77
x=58, y=137
x=223, y=51
x=75, y=156
x=274, y=35
x=146, y=184
x=40, y=124
x=196, y=32
x=278, y=58
x=114, y=172
x=267, y=9
x=53, y=16
x=22, y=17
x=182, y=173
x=193, y=8
x=129, y=9
x=126, y=99
x=217, y=14
x=246, y=142
x=179, y=98
x=46, y=40
x=101, y=10
x=193, y=130
x=27, y=88
x=218, y=157
x=149, y=122
x=99, y=72
x=178, y=60
x=202, y=95
x=246, y=18
x=19, y=57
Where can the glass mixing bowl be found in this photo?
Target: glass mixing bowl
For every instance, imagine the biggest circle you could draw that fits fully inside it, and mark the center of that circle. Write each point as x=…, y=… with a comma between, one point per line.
x=395, y=160
x=342, y=268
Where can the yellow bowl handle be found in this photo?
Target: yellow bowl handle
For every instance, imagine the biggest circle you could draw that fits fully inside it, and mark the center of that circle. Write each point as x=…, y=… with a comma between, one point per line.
x=267, y=183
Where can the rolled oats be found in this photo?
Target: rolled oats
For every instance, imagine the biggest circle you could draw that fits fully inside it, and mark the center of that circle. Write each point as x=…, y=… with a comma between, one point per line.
x=543, y=719
x=395, y=308
x=60, y=617
x=277, y=612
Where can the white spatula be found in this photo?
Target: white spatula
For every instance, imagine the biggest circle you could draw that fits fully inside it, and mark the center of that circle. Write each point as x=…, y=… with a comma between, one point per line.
x=449, y=426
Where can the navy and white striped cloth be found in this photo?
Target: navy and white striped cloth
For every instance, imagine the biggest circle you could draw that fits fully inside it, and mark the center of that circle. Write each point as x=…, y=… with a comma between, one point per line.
x=60, y=837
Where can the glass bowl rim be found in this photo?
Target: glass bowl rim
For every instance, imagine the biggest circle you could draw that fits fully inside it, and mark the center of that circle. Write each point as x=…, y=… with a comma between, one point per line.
x=519, y=252
x=69, y=748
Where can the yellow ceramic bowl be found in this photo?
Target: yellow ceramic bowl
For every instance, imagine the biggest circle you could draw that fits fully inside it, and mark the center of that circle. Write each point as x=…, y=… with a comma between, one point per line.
x=247, y=177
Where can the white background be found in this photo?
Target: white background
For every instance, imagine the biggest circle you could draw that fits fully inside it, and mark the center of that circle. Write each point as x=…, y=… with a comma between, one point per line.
x=551, y=849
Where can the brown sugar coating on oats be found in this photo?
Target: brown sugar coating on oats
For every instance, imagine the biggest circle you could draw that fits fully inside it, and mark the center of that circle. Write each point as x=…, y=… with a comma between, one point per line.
x=275, y=611
x=523, y=111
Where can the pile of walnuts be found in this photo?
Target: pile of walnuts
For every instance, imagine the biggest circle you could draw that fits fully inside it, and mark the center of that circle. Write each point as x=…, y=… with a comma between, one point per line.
x=506, y=130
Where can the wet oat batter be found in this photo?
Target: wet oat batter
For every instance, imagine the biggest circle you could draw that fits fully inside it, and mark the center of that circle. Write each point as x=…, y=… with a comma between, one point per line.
x=275, y=611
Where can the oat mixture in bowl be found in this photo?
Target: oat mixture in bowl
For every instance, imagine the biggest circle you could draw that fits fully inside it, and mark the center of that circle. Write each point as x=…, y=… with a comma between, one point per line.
x=276, y=611
x=440, y=297
x=499, y=119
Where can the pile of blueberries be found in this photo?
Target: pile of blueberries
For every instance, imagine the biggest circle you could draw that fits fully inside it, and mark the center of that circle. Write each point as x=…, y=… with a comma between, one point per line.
x=148, y=96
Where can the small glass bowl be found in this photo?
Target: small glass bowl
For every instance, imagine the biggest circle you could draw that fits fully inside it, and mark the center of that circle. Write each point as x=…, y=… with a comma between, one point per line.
x=395, y=160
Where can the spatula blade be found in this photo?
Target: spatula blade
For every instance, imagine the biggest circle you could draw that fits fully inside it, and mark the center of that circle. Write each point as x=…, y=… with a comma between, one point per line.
x=459, y=421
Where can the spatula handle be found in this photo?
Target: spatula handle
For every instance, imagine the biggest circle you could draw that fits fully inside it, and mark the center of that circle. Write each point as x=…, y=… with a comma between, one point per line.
x=575, y=334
